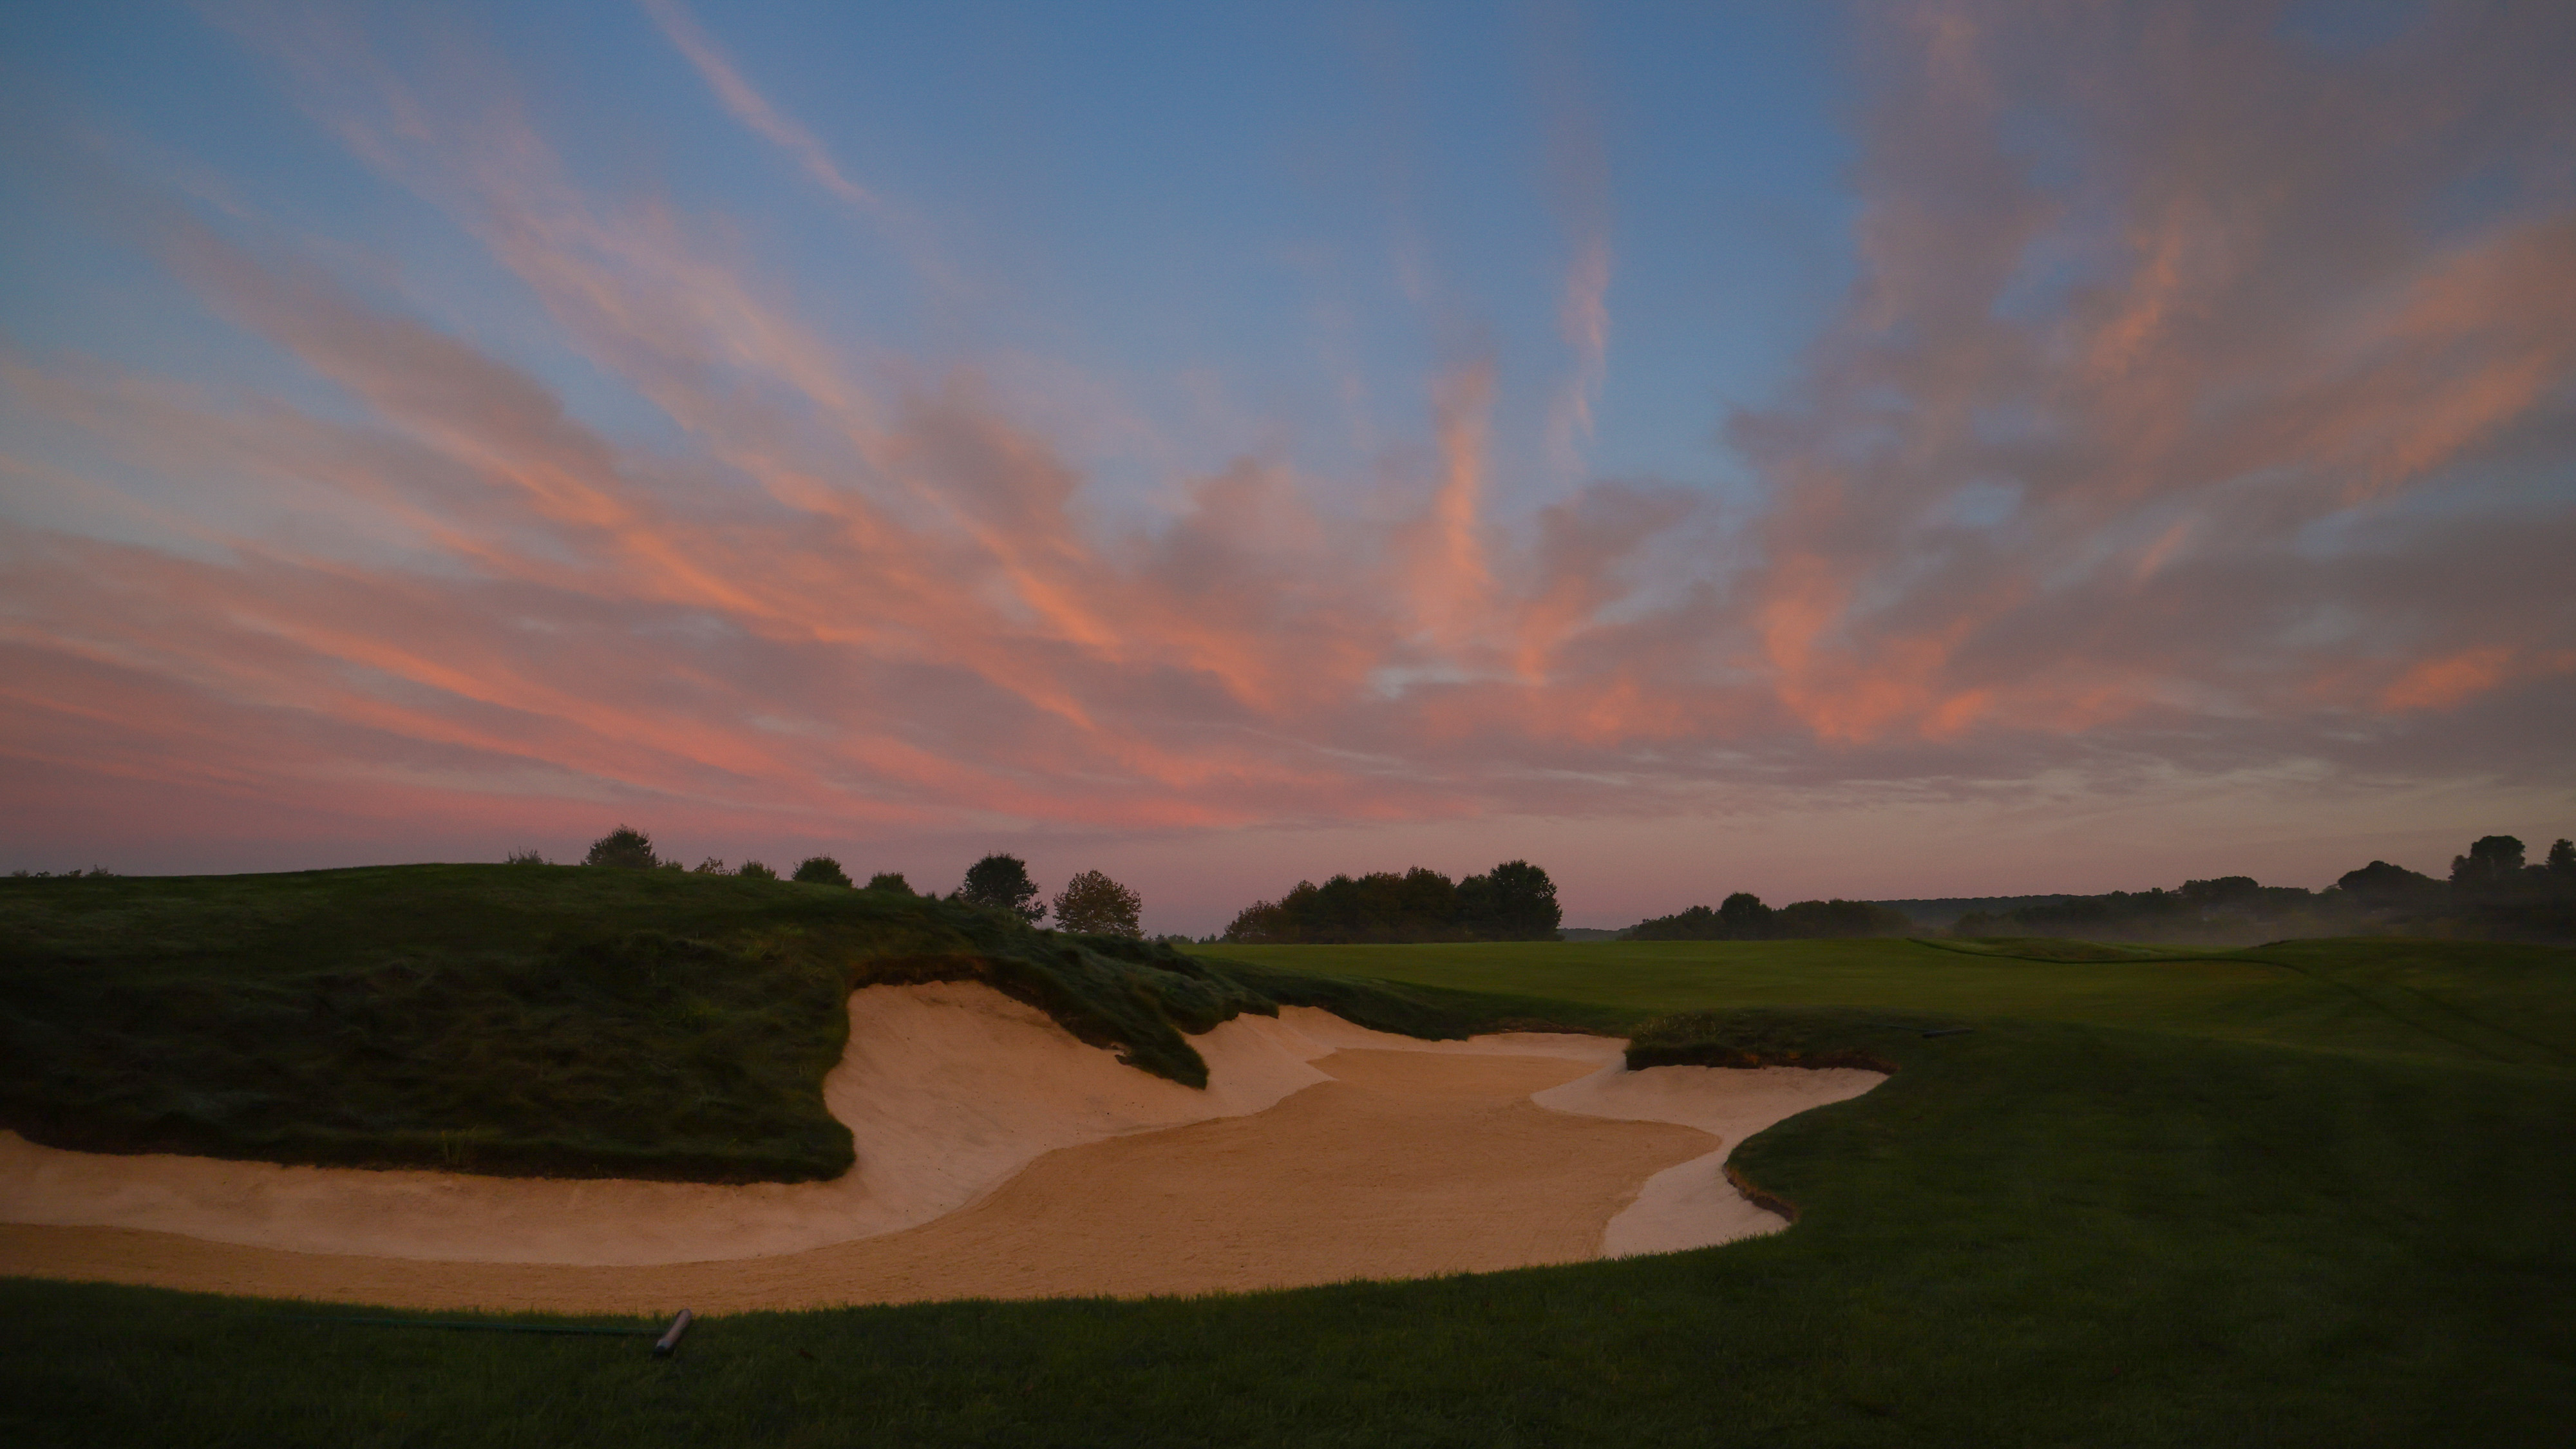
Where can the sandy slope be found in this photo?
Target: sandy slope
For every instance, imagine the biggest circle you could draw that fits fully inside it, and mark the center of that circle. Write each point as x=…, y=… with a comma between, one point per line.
x=998, y=1157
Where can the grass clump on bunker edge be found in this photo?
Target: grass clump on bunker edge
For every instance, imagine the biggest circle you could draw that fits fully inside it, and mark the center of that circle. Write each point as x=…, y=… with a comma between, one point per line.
x=561, y=1021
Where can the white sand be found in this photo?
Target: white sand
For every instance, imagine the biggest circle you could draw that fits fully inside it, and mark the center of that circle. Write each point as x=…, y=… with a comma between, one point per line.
x=1358, y=1154
x=1693, y=1205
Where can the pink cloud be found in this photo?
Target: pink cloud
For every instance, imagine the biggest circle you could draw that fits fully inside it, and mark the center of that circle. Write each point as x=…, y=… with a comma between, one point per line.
x=2230, y=465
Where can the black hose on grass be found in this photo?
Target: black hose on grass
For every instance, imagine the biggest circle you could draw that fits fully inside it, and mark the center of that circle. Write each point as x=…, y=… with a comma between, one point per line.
x=665, y=1340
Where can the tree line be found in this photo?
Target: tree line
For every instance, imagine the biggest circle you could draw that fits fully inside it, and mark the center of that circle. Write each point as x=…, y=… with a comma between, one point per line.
x=2491, y=891
x=1090, y=903
x=1743, y=917
x=1515, y=901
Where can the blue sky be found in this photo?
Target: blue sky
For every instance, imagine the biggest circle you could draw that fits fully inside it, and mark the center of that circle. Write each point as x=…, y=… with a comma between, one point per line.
x=1831, y=451
x=1218, y=212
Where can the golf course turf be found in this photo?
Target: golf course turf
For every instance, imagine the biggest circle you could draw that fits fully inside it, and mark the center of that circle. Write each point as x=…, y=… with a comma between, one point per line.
x=2315, y=1193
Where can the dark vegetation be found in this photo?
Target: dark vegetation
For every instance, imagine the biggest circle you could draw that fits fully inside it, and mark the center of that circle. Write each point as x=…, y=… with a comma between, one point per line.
x=1940, y=912
x=553, y=1020
x=2491, y=894
x=1094, y=905
x=820, y=870
x=1743, y=917
x=1001, y=883
x=2306, y=1195
x=1515, y=901
x=625, y=848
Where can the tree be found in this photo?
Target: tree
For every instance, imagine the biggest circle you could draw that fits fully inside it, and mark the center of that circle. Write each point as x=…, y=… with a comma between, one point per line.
x=1002, y=883
x=625, y=847
x=1520, y=902
x=526, y=857
x=1821, y=920
x=1095, y=905
x=822, y=870
x=754, y=870
x=1699, y=923
x=890, y=880
x=1744, y=917
x=2492, y=867
x=2380, y=886
x=2562, y=865
x=1259, y=924
x=709, y=866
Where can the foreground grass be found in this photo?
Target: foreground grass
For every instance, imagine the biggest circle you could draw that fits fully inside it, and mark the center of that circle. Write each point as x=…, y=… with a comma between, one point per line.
x=2301, y=1196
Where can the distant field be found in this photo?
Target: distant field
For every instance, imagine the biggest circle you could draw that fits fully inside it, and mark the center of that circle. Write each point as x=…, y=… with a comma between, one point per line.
x=2444, y=1000
x=2314, y=1194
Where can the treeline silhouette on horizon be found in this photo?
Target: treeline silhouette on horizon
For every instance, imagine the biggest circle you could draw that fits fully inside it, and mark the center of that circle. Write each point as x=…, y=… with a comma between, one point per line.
x=1743, y=917
x=1090, y=904
x=1515, y=901
x=2491, y=891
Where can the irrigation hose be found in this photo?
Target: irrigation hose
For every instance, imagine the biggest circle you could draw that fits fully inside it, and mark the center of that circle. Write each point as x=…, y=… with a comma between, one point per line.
x=666, y=1341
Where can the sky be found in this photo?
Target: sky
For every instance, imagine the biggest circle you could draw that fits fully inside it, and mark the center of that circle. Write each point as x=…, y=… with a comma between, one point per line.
x=1889, y=451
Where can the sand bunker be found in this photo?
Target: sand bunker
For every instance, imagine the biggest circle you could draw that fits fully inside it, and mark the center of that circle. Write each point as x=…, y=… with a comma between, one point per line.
x=998, y=1157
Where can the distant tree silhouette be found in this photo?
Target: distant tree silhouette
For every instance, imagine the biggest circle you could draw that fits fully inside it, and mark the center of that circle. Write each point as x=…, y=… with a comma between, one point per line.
x=822, y=870
x=2562, y=865
x=890, y=880
x=754, y=870
x=1095, y=905
x=2493, y=867
x=625, y=847
x=526, y=857
x=709, y=866
x=1002, y=882
x=2380, y=886
x=1744, y=915
x=1837, y=918
x=1515, y=901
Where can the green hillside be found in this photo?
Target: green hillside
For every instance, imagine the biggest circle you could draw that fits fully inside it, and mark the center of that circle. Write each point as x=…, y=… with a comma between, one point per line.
x=535, y=1019
x=2313, y=1194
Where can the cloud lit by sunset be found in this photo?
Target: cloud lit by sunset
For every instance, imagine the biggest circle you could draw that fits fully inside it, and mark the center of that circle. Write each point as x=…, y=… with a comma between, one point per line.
x=1906, y=451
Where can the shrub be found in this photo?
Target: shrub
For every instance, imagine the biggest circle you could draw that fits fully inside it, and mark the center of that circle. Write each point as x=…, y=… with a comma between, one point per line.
x=890, y=880
x=1002, y=882
x=709, y=866
x=625, y=847
x=526, y=857
x=754, y=870
x=822, y=870
x=1095, y=905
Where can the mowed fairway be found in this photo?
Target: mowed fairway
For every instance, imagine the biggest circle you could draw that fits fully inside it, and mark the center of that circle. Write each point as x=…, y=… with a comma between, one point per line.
x=2438, y=999
x=2312, y=1194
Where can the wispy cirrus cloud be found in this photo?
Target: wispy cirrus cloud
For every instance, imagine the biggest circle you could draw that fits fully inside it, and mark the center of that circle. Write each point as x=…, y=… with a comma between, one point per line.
x=2185, y=420
x=748, y=105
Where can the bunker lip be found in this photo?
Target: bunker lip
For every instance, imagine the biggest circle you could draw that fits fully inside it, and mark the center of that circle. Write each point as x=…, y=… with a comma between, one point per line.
x=997, y=1157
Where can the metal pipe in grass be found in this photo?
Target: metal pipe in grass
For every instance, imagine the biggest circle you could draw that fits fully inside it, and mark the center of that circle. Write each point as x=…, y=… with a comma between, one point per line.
x=669, y=1343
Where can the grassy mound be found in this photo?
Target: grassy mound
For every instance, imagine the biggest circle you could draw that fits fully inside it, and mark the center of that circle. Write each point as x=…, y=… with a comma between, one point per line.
x=538, y=1020
x=2310, y=1196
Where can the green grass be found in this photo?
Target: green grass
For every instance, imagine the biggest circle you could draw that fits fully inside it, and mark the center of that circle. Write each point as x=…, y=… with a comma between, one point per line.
x=509, y=1019
x=2438, y=999
x=2316, y=1194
